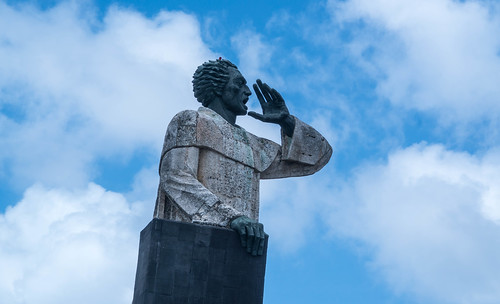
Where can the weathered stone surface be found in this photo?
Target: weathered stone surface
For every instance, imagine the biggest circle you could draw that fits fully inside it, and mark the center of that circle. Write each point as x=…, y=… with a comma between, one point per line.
x=210, y=170
x=190, y=263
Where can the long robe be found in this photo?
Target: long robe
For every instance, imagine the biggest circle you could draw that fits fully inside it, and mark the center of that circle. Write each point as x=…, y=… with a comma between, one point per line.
x=210, y=170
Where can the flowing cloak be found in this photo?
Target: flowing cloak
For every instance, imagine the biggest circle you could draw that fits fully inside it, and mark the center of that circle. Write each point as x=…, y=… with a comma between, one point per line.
x=210, y=170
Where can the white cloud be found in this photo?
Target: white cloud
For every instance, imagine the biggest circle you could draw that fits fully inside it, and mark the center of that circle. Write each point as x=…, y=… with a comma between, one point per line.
x=279, y=20
x=145, y=185
x=287, y=213
x=60, y=246
x=73, y=88
x=437, y=55
x=430, y=219
x=291, y=208
x=254, y=54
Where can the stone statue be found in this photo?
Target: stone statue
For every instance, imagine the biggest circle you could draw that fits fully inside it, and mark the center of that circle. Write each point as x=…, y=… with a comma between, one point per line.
x=210, y=167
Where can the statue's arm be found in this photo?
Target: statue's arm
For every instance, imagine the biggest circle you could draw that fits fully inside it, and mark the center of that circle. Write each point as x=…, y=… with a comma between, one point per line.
x=178, y=178
x=303, y=153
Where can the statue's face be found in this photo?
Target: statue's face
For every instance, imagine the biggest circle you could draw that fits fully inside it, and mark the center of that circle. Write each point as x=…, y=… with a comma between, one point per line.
x=236, y=93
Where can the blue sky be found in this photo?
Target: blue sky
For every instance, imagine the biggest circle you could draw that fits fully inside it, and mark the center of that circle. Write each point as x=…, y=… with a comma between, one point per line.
x=407, y=211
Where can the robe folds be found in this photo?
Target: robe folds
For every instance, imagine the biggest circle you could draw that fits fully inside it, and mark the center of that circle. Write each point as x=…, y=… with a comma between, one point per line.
x=210, y=170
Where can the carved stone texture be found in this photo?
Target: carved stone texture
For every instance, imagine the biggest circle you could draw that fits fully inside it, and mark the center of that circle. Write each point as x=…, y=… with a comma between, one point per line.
x=189, y=263
x=210, y=169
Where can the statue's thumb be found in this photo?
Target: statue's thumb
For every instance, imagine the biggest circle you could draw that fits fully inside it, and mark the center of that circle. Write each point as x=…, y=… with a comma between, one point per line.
x=256, y=115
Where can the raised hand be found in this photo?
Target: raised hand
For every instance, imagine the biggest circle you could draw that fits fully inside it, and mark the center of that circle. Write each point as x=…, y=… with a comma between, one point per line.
x=274, y=109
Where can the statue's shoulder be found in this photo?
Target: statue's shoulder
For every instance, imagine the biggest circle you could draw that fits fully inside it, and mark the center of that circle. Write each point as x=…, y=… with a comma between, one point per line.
x=181, y=131
x=184, y=118
x=192, y=118
x=193, y=128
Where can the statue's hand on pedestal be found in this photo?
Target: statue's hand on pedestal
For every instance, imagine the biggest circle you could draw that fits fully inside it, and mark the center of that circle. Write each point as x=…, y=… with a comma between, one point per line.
x=251, y=233
x=274, y=108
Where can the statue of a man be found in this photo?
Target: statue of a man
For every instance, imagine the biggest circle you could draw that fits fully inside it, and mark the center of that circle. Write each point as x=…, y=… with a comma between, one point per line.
x=210, y=167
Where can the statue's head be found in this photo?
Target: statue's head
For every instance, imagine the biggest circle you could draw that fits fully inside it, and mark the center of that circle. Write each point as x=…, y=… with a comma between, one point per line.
x=210, y=79
x=219, y=86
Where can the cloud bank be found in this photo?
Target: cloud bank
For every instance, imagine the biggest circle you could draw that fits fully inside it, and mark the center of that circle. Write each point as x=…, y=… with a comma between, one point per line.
x=76, y=88
x=429, y=219
x=60, y=246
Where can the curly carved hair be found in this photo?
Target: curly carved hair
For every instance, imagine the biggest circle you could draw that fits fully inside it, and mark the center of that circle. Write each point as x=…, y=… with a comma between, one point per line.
x=210, y=79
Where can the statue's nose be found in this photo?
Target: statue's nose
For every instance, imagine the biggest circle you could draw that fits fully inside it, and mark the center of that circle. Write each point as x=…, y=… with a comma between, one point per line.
x=247, y=91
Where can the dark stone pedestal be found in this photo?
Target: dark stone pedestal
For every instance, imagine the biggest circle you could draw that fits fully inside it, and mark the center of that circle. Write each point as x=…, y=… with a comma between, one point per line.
x=189, y=263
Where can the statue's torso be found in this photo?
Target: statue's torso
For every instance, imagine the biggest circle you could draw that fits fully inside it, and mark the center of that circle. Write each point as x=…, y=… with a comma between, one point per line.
x=208, y=164
x=229, y=162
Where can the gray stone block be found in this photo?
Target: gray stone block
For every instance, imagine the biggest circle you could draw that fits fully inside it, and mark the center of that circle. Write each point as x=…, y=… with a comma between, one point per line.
x=191, y=263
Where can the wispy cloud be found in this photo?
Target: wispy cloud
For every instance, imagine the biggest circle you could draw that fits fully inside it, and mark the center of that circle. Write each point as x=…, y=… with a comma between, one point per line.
x=254, y=53
x=438, y=56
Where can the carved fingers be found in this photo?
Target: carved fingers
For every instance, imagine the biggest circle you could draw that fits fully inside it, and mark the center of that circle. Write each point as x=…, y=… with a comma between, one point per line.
x=273, y=105
x=262, y=239
x=243, y=234
x=252, y=235
x=255, y=238
x=257, y=116
x=259, y=94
